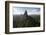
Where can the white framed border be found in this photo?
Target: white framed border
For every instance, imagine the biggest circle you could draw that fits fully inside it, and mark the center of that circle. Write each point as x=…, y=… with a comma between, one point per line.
x=11, y=29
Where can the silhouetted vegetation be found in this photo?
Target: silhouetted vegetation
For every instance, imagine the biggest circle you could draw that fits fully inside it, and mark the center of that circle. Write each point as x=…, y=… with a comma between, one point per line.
x=26, y=20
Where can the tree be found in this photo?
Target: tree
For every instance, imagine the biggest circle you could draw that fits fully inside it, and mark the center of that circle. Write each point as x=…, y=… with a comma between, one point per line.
x=25, y=14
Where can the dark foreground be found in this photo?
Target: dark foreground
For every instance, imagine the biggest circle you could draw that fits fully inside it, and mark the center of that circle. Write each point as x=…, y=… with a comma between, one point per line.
x=26, y=21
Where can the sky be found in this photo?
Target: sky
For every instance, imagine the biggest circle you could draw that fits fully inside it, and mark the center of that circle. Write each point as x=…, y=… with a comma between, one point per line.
x=30, y=10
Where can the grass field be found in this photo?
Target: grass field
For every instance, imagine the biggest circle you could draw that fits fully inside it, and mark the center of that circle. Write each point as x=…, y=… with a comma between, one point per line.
x=22, y=21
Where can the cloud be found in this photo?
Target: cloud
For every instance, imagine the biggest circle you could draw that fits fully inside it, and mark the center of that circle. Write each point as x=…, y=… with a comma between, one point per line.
x=21, y=10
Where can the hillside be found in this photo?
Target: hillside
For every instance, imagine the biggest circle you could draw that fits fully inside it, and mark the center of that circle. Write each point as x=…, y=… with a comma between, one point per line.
x=23, y=21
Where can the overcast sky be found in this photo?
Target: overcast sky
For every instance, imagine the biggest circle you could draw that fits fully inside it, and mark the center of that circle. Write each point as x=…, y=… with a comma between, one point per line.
x=30, y=10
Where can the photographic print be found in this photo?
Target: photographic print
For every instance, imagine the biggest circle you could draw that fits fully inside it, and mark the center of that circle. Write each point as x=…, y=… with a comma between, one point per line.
x=26, y=17
x=23, y=17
